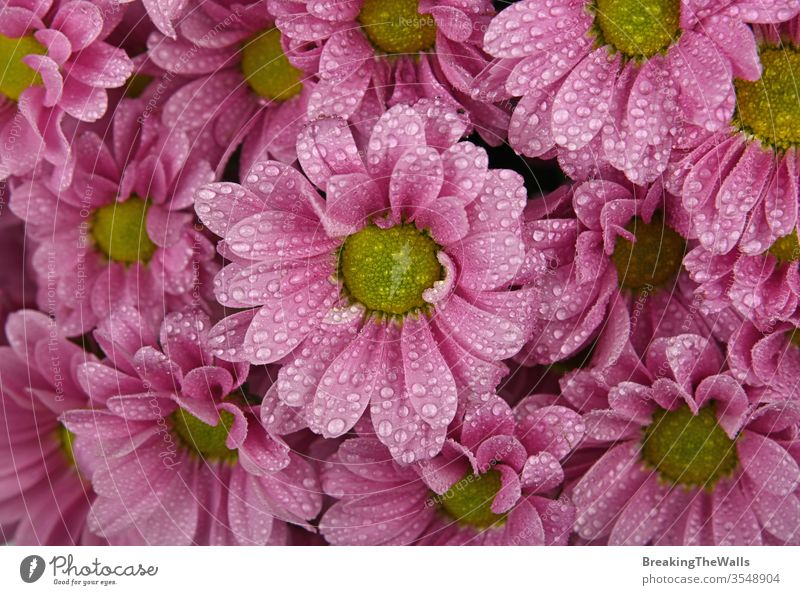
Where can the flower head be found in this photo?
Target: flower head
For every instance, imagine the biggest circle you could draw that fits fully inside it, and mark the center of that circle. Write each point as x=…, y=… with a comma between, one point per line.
x=492, y=484
x=174, y=447
x=391, y=292
x=620, y=83
x=45, y=498
x=123, y=231
x=589, y=245
x=375, y=54
x=54, y=62
x=688, y=455
x=237, y=80
x=740, y=184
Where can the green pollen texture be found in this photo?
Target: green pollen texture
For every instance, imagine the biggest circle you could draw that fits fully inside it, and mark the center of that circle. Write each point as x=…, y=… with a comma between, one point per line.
x=397, y=27
x=469, y=501
x=120, y=231
x=637, y=28
x=768, y=108
x=205, y=441
x=267, y=69
x=690, y=450
x=15, y=75
x=387, y=270
x=787, y=248
x=653, y=259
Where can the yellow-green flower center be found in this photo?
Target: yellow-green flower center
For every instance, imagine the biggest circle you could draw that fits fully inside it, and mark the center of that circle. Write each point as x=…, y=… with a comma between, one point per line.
x=469, y=501
x=203, y=440
x=267, y=69
x=120, y=231
x=65, y=439
x=787, y=248
x=397, y=27
x=690, y=450
x=768, y=108
x=15, y=75
x=653, y=259
x=637, y=28
x=387, y=270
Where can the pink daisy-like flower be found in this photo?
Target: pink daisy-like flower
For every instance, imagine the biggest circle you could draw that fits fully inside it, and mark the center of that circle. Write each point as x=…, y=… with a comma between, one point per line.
x=174, y=447
x=44, y=499
x=740, y=184
x=373, y=54
x=621, y=81
x=493, y=484
x=768, y=360
x=590, y=245
x=763, y=288
x=123, y=231
x=53, y=61
x=689, y=457
x=393, y=290
x=241, y=82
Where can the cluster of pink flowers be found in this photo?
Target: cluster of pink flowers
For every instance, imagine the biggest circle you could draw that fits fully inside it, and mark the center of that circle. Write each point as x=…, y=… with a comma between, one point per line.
x=400, y=272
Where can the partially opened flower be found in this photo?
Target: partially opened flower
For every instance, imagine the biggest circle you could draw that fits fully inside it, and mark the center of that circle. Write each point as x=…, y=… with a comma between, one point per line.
x=740, y=184
x=123, y=231
x=688, y=457
x=45, y=500
x=493, y=484
x=391, y=292
x=589, y=245
x=240, y=82
x=53, y=61
x=621, y=82
x=373, y=54
x=174, y=447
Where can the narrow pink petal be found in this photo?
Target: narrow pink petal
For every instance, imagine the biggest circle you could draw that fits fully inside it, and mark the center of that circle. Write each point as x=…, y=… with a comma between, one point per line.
x=768, y=464
x=326, y=147
x=429, y=382
x=606, y=488
x=348, y=385
x=581, y=104
x=80, y=21
x=733, y=519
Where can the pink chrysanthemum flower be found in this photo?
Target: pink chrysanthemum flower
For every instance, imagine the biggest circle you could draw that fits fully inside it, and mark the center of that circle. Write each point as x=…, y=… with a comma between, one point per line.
x=242, y=84
x=44, y=498
x=621, y=81
x=740, y=184
x=493, y=484
x=589, y=245
x=123, y=231
x=174, y=447
x=391, y=291
x=689, y=457
x=53, y=61
x=769, y=361
x=373, y=54
x=764, y=288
